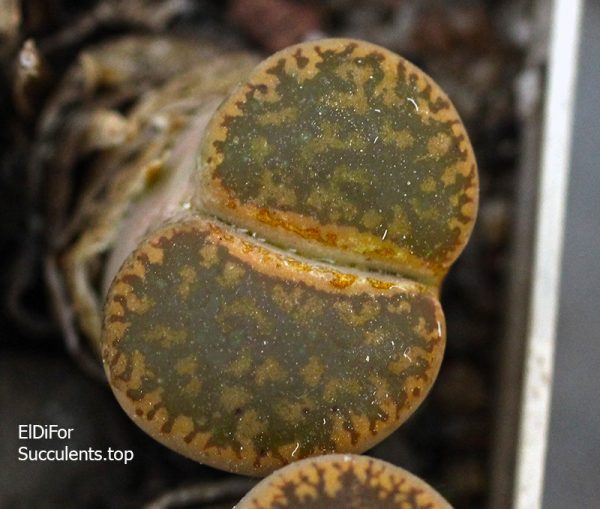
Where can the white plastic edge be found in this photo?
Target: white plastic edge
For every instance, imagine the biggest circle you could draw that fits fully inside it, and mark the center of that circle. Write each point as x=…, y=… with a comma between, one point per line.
x=544, y=296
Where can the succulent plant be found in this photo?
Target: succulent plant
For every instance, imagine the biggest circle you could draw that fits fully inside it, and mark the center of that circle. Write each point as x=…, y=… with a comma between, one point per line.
x=342, y=480
x=278, y=299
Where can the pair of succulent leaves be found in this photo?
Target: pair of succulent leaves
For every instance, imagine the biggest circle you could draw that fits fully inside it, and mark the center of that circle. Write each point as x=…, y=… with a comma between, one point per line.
x=293, y=310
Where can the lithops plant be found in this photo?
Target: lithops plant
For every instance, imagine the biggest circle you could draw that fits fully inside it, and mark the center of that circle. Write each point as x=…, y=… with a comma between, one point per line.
x=278, y=298
x=342, y=480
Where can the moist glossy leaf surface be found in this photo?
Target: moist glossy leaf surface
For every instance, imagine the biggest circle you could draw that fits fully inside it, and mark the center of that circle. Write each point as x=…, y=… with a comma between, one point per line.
x=343, y=148
x=247, y=358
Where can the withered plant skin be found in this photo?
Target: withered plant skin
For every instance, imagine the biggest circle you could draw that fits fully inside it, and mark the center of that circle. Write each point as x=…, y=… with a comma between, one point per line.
x=142, y=175
x=248, y=354
x=342, y=480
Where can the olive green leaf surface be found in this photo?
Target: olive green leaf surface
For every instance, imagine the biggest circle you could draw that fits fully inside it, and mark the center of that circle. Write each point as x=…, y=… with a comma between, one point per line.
x=259, y=329
x=345, y=150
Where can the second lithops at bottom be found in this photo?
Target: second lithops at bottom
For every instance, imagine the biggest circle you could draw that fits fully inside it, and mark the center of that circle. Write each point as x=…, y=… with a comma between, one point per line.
x=248, y=353
x=342, y=481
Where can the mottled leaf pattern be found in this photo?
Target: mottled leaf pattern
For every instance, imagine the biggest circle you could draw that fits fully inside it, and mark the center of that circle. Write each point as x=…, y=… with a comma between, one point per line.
x=248, y=354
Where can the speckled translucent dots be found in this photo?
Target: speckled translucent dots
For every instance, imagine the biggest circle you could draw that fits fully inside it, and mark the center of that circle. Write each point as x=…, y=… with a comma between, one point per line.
x=244, y=357
x=248, y=354
x=345, y=150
